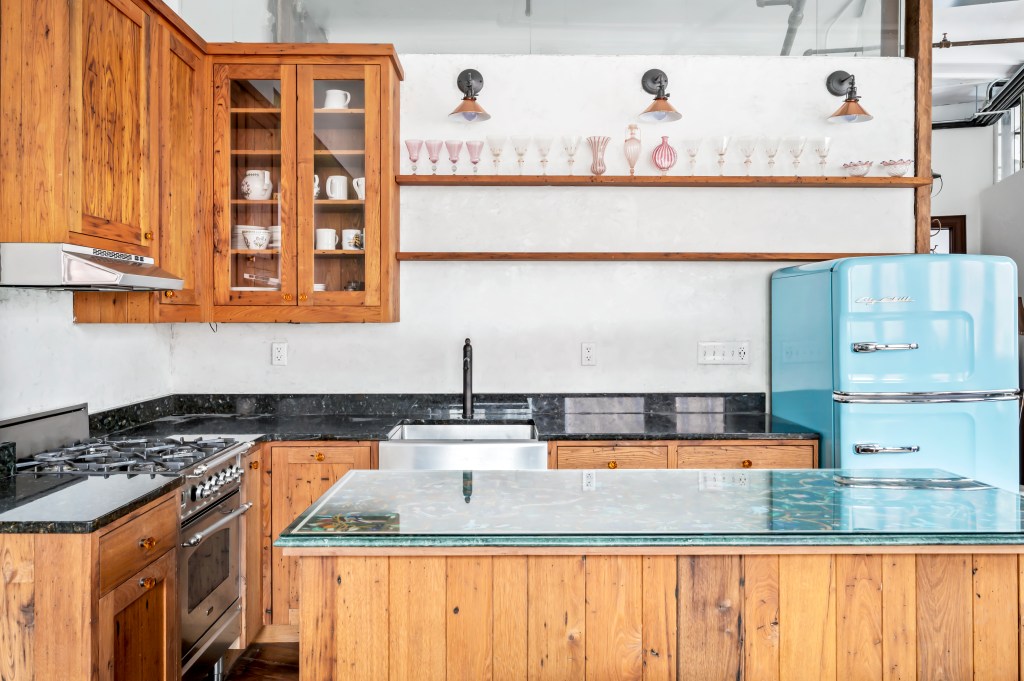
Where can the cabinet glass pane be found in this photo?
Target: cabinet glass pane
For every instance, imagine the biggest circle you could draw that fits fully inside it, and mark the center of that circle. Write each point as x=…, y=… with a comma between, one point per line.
x=339, y=185
x=256, y=257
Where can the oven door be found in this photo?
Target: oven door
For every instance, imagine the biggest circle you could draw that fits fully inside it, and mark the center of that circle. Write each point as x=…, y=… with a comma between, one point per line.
x=208, y=577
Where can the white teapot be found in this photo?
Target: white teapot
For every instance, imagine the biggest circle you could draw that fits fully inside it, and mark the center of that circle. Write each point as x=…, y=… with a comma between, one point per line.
x=256, y=185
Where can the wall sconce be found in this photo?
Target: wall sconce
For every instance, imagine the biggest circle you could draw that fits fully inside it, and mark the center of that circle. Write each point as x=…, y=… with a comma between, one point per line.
x=470, y=82
x=654, y=83
x=841, y=83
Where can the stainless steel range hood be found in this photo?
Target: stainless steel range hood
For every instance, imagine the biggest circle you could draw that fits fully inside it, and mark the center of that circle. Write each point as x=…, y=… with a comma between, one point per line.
x=65, y=267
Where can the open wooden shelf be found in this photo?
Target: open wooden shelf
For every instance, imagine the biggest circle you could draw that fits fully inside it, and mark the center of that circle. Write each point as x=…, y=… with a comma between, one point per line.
x=659, y=181
x=269, y=252
x=620, y=257
x=338, y=253
x=339, y=111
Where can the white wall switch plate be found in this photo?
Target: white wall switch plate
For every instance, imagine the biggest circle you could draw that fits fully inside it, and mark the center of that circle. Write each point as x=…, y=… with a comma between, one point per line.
x=723, y=352
x=588, y=354
x=279, y=354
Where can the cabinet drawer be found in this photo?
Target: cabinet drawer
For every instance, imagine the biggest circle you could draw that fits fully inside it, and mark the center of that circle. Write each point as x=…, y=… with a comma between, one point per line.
x=134, y=545
x=356, y=456
x=614, y=456
x=745, y=456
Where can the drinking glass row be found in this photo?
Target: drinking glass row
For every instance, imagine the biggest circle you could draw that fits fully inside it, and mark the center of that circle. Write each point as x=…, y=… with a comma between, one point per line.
x=663, y=156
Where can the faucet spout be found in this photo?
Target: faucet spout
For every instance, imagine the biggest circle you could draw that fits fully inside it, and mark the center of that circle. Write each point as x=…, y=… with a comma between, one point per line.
x=467, y=380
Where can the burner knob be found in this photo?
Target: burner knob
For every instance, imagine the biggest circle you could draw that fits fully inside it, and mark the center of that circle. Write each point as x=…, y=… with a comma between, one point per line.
x=193, y=493
x=202, y=492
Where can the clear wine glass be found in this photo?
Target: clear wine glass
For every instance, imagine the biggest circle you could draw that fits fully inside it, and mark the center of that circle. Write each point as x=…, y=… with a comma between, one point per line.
x=721, y=147
x=692, y=146
x=571, y=145
x=747, y=145
x=434, y=153
x=496, y=143
x=474, y=147
x=414, y=147
x=543, y=148
x=821, y=148
x=520, y=145
x=771, y=149
x=796, y=150
x=454, y=149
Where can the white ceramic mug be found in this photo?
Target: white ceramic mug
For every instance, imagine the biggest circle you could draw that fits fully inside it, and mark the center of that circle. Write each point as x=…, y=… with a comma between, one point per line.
x=337, y=187
x=359, y=184
x=337, y=99
x=256, y=185
x=326, y=239
x=316, y=186
x=349, y=240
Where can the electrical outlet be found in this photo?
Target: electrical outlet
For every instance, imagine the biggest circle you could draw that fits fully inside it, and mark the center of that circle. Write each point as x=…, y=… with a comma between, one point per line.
x=279, y=354
x=589, y=481
x=722, y=480
x=723, y=352
x=588, y=354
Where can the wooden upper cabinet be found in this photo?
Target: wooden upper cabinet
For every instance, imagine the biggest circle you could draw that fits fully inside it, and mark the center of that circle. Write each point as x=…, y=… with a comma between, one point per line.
x=110, y=122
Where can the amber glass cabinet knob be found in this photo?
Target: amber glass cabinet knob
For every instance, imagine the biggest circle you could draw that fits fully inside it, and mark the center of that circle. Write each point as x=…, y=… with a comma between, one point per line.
x=147, y=543
x=319, y=456
x=288, y=296
x=303, y=297
x=613, y=464
x=747, y=463
x=254, y=465
x=148, y=236
x=147, y=582
x=168, y=294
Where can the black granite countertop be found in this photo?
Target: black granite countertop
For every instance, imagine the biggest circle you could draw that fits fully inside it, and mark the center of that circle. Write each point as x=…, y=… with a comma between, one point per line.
x=69, y=503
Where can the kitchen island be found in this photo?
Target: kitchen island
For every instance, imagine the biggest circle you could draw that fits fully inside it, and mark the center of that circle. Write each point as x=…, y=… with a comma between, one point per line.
x=680, y=574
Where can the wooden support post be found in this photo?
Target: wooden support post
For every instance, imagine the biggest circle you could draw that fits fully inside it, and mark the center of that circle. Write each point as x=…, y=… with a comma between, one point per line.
x=919, y=47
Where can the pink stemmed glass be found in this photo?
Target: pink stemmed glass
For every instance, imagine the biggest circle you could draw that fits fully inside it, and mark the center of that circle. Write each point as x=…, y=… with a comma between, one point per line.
x=434, y=153
x=474, y=147
x=454, y=149
x=414, y=147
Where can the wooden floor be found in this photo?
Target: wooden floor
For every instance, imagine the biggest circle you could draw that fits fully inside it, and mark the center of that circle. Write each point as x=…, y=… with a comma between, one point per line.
x=267, y=662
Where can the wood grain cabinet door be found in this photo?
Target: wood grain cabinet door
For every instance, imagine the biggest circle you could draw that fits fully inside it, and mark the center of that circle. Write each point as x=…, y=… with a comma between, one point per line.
x=300, y=475
x=111, y=124
x=138, y=631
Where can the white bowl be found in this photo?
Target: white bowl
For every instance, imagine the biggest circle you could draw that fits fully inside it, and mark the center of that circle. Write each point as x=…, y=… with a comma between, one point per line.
x=857, y=168
x=898, y=167
x=256, y=239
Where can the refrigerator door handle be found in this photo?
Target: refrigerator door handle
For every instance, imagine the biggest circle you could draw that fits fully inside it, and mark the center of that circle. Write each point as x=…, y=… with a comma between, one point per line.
x=875, y=347
x=879, y=449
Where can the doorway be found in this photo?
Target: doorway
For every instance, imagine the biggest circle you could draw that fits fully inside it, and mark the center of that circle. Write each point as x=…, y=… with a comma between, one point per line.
x=949, y=234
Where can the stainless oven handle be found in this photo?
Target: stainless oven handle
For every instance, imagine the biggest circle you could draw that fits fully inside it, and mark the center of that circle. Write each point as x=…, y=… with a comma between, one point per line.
x=197, y=538
x=875, y=347
x=879, y=449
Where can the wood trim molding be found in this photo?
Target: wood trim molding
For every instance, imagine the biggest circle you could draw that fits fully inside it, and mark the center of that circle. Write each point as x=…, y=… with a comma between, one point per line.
x=308, y=49
x=441, y=256
x=944, y=549
x=659, y=181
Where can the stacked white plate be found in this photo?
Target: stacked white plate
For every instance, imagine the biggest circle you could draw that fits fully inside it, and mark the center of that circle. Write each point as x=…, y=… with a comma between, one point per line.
x=275, y=236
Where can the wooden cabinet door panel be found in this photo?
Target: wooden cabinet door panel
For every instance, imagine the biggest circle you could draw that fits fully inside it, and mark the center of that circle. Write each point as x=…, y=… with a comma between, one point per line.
x=745, y=456
x=300, y=475
x=612, y=456
x=115, y=122
x=251, y=573
x=138, y=632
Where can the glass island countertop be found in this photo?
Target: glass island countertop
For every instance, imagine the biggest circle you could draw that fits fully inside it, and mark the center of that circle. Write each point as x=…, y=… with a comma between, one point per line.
x=657, y=508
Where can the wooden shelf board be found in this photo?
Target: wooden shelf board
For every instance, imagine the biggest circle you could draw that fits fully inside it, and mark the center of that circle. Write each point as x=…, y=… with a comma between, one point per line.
x=339, y=111
x=658, y=181
x=253, y=251
x=339, y=152
x=254, y=202
x=256, y=152
x=338, y=253
x=339, y=202
x=618, y=257
x=254, y=110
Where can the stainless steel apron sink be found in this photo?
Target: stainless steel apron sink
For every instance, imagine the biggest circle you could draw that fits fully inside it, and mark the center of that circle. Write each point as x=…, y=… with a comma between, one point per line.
x=463, y=446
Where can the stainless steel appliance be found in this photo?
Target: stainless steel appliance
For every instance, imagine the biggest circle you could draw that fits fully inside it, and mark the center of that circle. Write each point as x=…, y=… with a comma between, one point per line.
x=66, y=267
x=463, y=446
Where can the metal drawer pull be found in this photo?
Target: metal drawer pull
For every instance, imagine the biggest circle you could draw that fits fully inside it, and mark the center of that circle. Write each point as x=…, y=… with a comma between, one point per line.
x=147, y=543
x=879, y=449
x=197, y=538
x=875, y=347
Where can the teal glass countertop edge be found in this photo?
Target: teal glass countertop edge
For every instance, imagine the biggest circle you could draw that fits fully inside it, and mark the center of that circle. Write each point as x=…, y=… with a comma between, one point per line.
x=571, y=541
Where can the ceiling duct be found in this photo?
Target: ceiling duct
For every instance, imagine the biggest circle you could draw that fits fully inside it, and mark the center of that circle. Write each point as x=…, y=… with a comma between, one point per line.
x=1005, y=100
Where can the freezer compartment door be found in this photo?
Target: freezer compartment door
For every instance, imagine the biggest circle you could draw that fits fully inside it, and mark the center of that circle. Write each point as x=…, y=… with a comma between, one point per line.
x=978, y=440
x=925, y=324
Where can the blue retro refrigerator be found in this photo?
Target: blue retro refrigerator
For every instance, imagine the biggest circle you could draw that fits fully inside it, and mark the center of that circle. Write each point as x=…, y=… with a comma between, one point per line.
x=907, y=361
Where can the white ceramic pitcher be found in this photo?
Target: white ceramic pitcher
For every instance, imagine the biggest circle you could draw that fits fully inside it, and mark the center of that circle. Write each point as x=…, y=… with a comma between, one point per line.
x=256, y=185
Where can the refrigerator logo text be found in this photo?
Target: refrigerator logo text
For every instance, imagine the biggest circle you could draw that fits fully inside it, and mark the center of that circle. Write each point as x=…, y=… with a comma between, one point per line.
x=868, y=300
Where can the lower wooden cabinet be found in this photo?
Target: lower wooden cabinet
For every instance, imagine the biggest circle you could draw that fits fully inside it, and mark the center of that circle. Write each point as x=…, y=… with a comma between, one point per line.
x=66, y=615
x=615, y=454
x=300, y=472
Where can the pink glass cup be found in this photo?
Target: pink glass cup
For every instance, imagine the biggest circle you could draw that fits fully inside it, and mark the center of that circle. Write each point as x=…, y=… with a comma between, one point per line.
x=474, y=147
x=414, y=147
x=454, y=149
x=434, y=153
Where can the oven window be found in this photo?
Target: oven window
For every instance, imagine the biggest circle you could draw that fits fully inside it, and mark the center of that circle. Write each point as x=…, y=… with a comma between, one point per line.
x=209, y=566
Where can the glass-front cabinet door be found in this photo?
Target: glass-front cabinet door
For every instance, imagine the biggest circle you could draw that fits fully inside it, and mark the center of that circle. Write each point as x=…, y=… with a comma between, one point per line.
x=254, y=156
x=338, y=185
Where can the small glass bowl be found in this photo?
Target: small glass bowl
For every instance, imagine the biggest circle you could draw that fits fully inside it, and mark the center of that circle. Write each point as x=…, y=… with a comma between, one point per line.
x=897, y=168
x=857, y=168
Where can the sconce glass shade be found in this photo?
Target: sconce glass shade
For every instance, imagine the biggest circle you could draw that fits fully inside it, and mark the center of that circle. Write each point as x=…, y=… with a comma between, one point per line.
x=660, y=111
x=469, y=111
x=850, y=112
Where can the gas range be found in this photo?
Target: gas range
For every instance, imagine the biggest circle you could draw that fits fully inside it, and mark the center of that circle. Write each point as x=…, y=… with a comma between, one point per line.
x=126, y=455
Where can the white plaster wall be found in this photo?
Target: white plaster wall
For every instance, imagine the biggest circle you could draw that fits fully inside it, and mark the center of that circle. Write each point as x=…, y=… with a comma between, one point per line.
x=527, y=320
x=48, y=362
x=963, y=156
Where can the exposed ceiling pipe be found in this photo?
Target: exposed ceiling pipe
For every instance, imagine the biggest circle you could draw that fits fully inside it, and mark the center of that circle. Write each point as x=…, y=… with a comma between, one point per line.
x=946, y=42
x=796, y=17
x=1008, y=98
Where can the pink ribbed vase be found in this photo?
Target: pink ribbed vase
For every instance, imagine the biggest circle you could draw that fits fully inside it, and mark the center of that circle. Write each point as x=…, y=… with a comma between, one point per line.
x=597, y=147
x=664, y=156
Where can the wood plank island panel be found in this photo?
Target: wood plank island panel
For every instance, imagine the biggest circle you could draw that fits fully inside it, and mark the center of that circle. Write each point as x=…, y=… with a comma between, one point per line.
x=659, y=181
x=643, y=256
x=870, y=617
